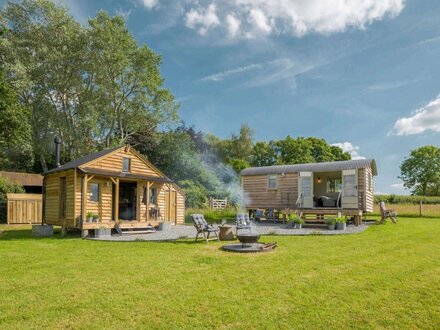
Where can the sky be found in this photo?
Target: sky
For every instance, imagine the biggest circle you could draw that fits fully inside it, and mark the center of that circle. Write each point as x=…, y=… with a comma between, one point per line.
x=360, y=74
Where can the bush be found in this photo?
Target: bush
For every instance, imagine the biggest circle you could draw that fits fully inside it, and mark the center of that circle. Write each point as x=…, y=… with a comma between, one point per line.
x=212, y=215
x=404, y=199
x=7, y=186
x=195, y=194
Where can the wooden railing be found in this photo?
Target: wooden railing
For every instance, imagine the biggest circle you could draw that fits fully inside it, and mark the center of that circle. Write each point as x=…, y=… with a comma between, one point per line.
x=24, y=208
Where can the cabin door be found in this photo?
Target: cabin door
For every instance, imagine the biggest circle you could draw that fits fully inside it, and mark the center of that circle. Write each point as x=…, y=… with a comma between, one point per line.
x=349, y=189
x=127, y=200
x=171, y=206
x=305, y=188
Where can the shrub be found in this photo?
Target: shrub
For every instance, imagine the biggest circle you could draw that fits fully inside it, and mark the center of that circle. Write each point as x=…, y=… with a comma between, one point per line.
x=7, y=186
x=228, y=213
x=340, y=220
x=330, y=221
x=404, y=199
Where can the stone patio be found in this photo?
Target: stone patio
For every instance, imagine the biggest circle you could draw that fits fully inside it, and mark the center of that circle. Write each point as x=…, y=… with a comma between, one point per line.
x=188, y=231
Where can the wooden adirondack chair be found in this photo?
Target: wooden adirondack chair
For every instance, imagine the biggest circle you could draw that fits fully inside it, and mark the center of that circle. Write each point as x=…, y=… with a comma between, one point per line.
x=385, y=214
x=204, y=228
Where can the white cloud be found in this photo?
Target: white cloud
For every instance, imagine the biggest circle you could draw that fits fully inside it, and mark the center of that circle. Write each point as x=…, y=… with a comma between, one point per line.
x=258, y=19
x=222, y=75
x=150, y=4
x=264, y=73
x=397, y=185
x=423, y=119
x=233, y=25
x=296, y=17
x=202, y=19
x=350, y=148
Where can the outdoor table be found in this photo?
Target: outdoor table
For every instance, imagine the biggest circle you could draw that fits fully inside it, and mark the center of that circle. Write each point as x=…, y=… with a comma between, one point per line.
x=226, y=233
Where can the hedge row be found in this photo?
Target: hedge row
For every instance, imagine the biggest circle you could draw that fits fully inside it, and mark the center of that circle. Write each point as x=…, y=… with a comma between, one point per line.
x=405, y=199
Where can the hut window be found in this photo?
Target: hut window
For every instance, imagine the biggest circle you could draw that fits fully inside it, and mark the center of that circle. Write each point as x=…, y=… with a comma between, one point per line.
x=272, y=182
x=334, y=185
x=94, y=192
x=370, y=182
x=63, y=193
x=126, y=164
x=152, y=196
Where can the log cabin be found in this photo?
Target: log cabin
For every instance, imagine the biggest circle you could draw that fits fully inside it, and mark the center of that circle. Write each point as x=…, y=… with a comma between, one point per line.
x=119, y=186
x=316, y=189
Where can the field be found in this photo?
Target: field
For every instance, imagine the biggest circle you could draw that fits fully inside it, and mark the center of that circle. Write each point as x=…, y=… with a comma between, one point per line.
x=385, y=277
x=412, y=210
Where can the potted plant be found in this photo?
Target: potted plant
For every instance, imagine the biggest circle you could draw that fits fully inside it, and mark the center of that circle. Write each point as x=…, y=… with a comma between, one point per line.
x=341, y=223
x=331, y=223
x=298, y=222
x=103, y=232
x=90, y=217
x=290, y=220
x=95, y=218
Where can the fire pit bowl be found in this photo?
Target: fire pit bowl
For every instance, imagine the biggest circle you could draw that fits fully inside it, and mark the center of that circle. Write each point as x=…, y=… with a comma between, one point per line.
x=248, y=238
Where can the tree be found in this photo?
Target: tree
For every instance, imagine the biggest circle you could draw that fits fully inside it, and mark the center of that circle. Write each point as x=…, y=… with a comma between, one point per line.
x=420, y=172
x=92, y=85
x=7, y=186
x=15, y=134
x=294, y=151
x=339, y=154
x=264, y=154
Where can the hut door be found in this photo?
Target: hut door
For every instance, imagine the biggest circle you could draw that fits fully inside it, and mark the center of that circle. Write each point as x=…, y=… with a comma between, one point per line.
x=349, y=189
x=171, y=206
x=305, y=186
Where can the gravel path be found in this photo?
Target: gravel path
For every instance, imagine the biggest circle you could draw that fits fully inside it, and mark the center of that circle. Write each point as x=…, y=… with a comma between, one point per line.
x=188, y=231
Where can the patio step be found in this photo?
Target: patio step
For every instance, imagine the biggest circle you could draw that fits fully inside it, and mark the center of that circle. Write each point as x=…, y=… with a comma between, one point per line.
x=134, y=230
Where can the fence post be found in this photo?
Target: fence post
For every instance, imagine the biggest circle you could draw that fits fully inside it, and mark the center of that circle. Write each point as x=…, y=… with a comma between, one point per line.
x=420, y=208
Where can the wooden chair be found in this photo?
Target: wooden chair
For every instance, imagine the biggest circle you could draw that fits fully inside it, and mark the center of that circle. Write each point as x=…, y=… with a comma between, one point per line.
x=204, y=228
x=385, y=214
x=242, y=221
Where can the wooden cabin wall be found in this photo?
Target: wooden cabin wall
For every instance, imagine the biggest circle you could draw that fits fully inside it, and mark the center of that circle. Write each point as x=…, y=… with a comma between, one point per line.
x=113, y=162
x=103, y=208
x=52, y=199
x=180, y=207
x=257, y=194
x=163, y=204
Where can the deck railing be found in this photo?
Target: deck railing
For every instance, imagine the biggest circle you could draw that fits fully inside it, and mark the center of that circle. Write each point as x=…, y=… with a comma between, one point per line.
x=300, y=201
x=339, y=204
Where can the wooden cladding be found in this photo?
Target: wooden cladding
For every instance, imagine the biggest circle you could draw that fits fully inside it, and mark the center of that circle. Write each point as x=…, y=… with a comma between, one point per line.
x=63, y=196
x=24, y=208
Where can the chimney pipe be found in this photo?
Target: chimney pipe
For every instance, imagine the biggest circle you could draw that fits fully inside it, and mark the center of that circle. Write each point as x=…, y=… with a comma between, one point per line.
x=57, y=141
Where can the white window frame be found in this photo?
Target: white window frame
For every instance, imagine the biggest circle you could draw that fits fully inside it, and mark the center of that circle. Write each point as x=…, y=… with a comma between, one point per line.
x=269, y=179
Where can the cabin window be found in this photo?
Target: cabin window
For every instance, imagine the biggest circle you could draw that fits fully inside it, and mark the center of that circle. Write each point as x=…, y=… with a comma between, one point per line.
x=63, y=193
x=153, y=193
x=94, y=192
x=370, y=182
x=272, y=182
x=126, y=164
x=334, y=185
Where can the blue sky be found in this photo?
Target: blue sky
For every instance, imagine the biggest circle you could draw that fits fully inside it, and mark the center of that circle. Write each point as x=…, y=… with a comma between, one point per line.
x=362, y=73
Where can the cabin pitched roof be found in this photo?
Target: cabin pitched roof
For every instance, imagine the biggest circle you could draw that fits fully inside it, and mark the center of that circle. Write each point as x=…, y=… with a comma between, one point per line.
x=83, y=160
x=80, y=162
x=312, y=167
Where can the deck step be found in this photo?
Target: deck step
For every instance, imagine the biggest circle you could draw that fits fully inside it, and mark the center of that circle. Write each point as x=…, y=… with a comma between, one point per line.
x=135, y=232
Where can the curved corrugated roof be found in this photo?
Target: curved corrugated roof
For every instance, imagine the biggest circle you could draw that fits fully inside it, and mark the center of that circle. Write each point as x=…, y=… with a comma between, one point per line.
x=312, y=167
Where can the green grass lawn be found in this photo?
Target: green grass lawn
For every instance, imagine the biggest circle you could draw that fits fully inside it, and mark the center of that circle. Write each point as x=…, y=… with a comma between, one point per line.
x=385, y=277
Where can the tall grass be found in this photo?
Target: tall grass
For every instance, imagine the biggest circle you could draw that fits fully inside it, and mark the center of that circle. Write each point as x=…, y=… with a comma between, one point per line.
x=217, y=216
x=412, y=210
